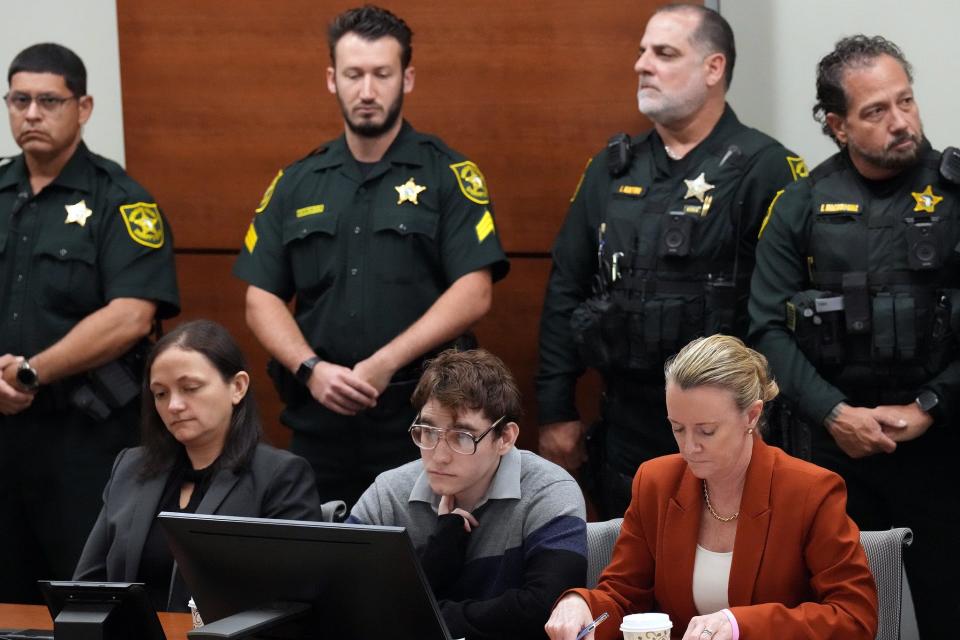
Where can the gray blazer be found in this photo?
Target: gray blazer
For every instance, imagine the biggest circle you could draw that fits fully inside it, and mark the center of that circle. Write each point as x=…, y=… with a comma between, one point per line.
x=278, y=484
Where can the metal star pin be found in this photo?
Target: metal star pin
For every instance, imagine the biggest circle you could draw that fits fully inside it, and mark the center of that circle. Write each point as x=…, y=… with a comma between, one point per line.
x=78, y=213
x=698, y=187
x=409, y=191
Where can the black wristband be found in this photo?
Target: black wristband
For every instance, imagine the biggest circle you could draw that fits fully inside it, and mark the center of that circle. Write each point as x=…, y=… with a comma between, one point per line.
x=306, y=369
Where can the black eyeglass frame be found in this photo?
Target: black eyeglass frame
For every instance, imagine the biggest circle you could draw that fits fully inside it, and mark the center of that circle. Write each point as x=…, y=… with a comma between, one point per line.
x=443, y=435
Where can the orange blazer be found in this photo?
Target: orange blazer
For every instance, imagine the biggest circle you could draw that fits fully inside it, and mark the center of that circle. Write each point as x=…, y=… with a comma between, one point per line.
x=798, y=569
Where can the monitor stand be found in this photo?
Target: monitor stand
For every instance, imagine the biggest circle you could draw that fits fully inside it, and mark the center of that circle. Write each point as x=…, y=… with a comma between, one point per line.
x=83, y=621
x=245, y=623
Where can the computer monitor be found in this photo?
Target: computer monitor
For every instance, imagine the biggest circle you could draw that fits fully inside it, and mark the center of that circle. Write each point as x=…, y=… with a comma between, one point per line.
x=358, y=581
x=107, y=610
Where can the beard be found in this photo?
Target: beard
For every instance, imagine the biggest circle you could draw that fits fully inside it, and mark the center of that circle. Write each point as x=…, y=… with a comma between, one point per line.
x=664, y=108
x=369, y=129
x=889, y=158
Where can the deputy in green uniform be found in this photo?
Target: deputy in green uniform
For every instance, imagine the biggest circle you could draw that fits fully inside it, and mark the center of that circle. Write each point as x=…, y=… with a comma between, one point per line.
x=657, y=249
x=386, y=239
x=856, y=303
x=86, y=265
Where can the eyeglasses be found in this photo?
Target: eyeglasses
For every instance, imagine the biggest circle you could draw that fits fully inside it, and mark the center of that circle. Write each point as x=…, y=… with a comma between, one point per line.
x=462, y=442
x=48, y=103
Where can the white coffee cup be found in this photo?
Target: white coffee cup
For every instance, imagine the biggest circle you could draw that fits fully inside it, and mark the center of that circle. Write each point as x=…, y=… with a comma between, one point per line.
x=197, y=620
x=646, y=626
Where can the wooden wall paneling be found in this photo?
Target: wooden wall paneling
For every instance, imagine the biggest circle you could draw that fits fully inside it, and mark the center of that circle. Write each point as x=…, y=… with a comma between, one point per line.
x=219, y=95
x=208, y=290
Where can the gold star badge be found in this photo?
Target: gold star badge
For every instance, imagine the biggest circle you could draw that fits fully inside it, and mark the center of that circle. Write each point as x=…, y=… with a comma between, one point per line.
x=78, y=213
x=926, y=200
x=698, y=187
x=408, y=191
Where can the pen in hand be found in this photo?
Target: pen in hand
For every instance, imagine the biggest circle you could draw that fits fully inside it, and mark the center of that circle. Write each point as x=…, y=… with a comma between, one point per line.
x=593, y=625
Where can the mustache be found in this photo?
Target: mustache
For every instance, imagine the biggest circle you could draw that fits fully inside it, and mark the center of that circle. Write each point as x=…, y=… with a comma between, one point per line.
x=904, y=137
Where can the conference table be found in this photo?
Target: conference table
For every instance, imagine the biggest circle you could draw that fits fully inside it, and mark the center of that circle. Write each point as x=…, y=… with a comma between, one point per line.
x=30, y=616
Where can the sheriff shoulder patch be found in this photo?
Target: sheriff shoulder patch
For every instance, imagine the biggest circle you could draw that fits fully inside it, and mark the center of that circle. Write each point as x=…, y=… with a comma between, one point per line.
x=471, y=181
x=144, y=223
x=265, y=200
x=485, y=227
x=797, y=167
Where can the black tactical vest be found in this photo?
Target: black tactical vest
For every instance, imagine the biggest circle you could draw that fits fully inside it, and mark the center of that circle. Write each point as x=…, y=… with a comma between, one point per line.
x=884, y=263
x=669, y=256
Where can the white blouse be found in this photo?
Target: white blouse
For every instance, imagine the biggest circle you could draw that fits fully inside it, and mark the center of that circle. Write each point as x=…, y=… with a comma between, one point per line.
x=711, y=575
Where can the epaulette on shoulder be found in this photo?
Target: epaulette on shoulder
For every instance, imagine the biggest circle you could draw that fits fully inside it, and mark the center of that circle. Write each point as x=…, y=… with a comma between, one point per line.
x=831, y=165
x=441, y=146
x=751, y=142
x=319, y=151
x=119, y=178
x=314, y=153
x=107, y=165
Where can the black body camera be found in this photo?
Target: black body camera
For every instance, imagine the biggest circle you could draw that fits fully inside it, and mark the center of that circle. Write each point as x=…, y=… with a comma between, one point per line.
x=675, y=235
x=923, y=246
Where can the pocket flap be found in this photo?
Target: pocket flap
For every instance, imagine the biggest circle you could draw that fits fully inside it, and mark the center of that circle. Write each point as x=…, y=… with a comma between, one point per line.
x=299, y=228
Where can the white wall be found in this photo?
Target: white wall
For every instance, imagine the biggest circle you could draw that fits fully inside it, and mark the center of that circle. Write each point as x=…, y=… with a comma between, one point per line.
x=779, y=43
x=89, y=27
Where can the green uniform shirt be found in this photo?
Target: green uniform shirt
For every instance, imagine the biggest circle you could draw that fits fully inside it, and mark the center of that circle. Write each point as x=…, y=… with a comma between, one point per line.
x=91, y=235
x=716, y=184
x=861, y=226
x=367, y=255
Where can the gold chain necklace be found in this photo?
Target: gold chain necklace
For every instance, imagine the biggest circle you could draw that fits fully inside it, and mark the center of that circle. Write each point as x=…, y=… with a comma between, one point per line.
x=706, y=495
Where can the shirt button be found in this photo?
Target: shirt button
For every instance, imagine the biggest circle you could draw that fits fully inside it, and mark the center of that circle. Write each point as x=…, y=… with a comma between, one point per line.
x=15, y=315
x=19, y=277
x=356, y=229
x=402, y=227
x=24, y=238
x=353, y=314
x=353, y=271
x=63, y=252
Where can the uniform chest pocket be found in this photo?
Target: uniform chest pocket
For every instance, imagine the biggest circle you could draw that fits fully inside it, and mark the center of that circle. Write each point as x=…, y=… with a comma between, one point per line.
x=64, y=277
x=405, y=244
x=633, y=232
x=311, y=244
x=840, y=242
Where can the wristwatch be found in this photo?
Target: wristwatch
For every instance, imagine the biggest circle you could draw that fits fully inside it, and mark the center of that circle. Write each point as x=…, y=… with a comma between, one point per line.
x=927, y=401
x=27, y=376
x=306, y=369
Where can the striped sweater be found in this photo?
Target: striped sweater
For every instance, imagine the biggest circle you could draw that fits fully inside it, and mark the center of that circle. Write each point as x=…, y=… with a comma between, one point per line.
x=500, y=580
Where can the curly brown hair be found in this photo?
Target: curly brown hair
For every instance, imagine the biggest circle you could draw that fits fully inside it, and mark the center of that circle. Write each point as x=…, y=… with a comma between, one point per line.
x=852, y=52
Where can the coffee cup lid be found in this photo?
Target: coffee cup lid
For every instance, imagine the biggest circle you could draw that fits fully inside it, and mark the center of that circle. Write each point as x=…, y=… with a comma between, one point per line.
x=646, y=622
